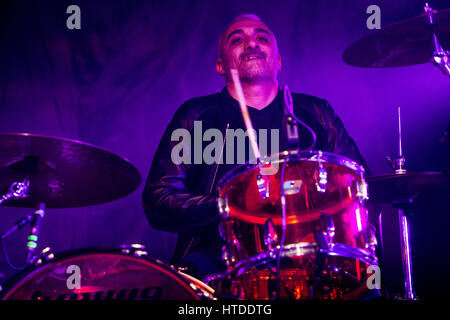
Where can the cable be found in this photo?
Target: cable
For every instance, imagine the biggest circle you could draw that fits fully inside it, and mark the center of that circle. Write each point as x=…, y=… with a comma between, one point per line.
x=283, y=228
x=290, y=109
x=10, y=264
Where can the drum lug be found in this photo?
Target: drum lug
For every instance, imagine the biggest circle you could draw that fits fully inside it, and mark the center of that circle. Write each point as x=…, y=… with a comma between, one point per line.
x=226, y=255
x=328, y=230
x=229, y=257
x=370, y=239
x=361, y=191
x=137, y=250
x=320, y=175
x=230, y=250
x=222, y=206
x=270, y=234
x=263, y=183
x=45, y=255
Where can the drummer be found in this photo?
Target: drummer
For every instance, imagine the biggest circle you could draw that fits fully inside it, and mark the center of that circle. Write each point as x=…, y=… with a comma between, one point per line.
x=180, y=196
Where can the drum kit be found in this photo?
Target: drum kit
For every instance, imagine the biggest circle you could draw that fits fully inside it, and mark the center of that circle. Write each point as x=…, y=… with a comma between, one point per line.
x=301, y=232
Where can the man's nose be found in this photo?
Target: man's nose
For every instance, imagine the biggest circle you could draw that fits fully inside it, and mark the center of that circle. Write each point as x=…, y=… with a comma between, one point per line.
x=251, y=43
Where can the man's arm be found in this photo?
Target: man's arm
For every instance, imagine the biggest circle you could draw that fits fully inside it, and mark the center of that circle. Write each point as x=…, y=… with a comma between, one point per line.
x=168, y=201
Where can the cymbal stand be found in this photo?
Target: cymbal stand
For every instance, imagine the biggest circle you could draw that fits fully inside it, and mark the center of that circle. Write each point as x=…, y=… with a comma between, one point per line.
x=441, y=57
x=17, y=190
x=20, y=190
x=405, y=244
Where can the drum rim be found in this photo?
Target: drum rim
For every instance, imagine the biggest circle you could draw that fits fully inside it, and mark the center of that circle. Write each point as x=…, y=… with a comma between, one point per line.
x=11, y=284
x=328, y=157
x=291, y=250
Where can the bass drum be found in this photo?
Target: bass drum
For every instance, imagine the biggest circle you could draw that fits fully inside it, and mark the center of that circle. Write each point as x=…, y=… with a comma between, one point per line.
x=105, y=274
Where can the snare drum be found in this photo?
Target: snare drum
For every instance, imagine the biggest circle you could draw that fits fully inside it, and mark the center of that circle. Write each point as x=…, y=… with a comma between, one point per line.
x=325, y=212
x=105, y=274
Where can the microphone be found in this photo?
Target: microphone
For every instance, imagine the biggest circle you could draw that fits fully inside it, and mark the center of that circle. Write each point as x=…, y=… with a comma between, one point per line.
x=35, y=227
x=289, y=121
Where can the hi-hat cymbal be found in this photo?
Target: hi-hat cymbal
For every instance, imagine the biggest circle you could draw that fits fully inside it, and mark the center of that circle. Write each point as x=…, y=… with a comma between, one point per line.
x=63, y=173
x=404, y=43
x=395, y=187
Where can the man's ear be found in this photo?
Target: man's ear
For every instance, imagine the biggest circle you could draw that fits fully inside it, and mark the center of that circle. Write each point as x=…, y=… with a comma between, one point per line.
x=279, y=63
x=219, y=67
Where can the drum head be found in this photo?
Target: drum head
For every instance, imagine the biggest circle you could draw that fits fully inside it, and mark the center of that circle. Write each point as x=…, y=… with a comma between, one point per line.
x=104, y=275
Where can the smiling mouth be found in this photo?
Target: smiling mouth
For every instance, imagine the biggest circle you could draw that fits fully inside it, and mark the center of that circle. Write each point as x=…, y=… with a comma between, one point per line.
x=250, y=57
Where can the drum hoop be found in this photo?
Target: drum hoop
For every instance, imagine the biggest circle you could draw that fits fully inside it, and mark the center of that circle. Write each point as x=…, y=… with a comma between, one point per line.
x=311, y=156
x=20, y=278
x=303, y=248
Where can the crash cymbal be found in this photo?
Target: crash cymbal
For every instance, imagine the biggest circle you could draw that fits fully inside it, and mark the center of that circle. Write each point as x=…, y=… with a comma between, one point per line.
x=394, y=187
x=405, y=43
x=63, y=173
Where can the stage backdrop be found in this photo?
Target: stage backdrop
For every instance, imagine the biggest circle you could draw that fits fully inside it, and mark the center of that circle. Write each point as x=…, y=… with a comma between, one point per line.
x=118, y=80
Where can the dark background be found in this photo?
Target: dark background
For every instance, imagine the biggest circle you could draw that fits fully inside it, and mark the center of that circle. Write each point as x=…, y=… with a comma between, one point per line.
x=117, y=82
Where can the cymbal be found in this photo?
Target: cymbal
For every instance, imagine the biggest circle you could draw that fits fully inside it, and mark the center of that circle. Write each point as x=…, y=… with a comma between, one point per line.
x=392, y=187
x=408, y=42
x=63, y=173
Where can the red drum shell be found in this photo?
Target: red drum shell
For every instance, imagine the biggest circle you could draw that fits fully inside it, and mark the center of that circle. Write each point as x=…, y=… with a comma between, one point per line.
x=245, y=210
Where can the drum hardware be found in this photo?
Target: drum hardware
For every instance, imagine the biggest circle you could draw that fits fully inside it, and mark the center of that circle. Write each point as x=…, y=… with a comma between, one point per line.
x=17, y=190
x=440, y=56
x=405, y=244
x=324, y=239
x=399, y=190
x=361, y=190
x=270, y=234
x=370, y=239
x=320, y=175
x=137, y=250
x=231, y=249
x=263, y=184
x=44, y=256
x=327, y=230
x=35, y=221
x=222, y=205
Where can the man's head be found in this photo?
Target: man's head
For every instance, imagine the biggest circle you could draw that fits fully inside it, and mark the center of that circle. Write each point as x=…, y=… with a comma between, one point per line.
x=249, y=46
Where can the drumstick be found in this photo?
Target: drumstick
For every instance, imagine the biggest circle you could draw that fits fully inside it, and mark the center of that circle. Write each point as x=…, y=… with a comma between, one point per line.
x=244, y=111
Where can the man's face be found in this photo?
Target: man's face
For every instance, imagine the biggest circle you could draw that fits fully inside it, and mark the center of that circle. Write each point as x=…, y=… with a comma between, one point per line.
x=251, y=48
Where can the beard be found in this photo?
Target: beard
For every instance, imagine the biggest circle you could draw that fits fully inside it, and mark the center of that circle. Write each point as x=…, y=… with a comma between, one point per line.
x=256, y=72
x=260, y=69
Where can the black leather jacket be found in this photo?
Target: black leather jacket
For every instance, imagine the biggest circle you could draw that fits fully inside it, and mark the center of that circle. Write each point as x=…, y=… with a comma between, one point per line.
x=181, y=198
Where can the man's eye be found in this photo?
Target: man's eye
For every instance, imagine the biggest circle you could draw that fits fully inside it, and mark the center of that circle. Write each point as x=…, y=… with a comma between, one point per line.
x=264, y=39
x=236, y=40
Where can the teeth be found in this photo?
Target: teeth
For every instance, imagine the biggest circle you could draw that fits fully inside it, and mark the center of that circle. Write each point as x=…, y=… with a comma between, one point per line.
x=247, y=58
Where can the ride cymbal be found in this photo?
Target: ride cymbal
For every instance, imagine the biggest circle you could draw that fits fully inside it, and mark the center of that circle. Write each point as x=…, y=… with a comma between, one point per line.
x=405, y=43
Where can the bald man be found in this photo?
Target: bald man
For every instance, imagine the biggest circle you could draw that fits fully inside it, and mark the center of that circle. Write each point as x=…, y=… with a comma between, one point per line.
x=180, y=194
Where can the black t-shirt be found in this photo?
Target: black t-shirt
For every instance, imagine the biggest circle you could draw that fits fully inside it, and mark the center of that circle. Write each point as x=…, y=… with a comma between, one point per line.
x=268, y=118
